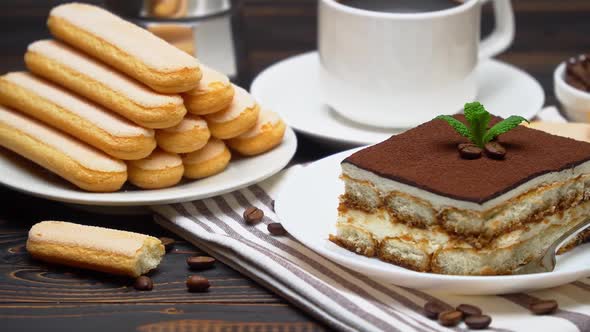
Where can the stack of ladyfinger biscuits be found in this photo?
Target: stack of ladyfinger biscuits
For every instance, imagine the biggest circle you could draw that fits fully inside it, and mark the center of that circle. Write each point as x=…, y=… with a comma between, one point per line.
x=108, y=101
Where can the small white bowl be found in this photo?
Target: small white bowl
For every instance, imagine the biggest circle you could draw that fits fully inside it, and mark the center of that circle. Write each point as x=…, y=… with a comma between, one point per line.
x=575, y=103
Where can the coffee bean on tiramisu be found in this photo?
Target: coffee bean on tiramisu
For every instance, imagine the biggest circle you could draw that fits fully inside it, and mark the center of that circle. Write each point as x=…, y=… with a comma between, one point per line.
x=168, y=243
x=276, y=229
x=197, y=284
x=253, y=215
x=450, y=318
x=143, y=283
x=543, y=307
x=433, y=309
x=469, y=310
x=495, y=150
x=478, y=322
x=469, y=151
x=200, y=262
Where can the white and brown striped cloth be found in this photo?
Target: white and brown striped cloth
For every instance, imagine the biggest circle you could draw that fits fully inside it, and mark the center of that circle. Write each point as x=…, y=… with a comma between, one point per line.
x=344, y=299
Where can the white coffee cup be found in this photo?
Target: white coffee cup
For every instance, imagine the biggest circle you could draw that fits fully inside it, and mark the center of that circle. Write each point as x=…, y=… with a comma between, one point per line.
x=401, y=69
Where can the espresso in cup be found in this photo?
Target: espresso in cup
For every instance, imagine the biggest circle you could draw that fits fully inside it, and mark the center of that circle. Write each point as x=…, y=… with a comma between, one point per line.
x=402, y=62
x=401, y=6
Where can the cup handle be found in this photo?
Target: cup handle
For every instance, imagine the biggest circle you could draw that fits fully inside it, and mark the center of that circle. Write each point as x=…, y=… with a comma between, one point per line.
x=503, y=33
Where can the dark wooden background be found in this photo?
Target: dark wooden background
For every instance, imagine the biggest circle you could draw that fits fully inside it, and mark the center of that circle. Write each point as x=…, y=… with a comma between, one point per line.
x=34, y=296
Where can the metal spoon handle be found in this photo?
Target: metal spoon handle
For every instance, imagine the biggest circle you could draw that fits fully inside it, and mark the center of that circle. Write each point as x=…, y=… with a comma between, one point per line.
x=549, y=257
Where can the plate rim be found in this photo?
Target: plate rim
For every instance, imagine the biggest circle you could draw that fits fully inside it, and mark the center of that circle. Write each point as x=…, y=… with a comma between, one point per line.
x=289, y=149
x=255, y=86
x=338, y=258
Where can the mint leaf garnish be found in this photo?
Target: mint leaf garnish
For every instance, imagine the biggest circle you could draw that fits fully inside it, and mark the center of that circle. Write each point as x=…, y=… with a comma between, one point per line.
x=503, y=126
x=478, y=119
x=459, y=126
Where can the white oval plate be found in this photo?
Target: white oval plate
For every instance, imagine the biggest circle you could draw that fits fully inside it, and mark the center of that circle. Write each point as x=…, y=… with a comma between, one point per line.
x=307, y=204
x=292, y=86
x=22, y=175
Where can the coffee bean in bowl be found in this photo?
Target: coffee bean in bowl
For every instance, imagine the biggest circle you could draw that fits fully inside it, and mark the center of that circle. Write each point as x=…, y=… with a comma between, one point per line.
x=577, y=72
x=571, y=82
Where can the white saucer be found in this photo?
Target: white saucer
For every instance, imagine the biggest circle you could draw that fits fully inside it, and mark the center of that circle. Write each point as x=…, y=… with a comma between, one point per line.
x=292, y=86
x=22, y=175
x=322, y=201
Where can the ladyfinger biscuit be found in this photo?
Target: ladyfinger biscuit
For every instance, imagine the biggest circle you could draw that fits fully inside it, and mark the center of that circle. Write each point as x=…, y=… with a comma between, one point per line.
x=265, y=135
x=125, y=46
x=92, y=79
x=235, y=120
x=63, y=155
x=95, y=248
x=213, y=158
x=159, y=170
x=214, y=93
x=188, y=136
x=76, y=116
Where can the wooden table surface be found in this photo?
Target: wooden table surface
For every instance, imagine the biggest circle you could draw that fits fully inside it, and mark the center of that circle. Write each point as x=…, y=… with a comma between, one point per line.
x=35, y=296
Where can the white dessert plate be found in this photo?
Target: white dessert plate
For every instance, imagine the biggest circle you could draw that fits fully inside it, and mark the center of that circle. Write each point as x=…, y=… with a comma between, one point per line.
x=24, y=176
x=292, y=86
x=316, y=187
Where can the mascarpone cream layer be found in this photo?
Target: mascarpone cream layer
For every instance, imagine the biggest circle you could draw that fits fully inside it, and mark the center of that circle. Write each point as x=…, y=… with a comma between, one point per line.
x=438, y=202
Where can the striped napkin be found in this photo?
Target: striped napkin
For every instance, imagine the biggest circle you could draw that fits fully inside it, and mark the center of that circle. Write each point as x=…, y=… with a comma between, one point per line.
x=343, y=299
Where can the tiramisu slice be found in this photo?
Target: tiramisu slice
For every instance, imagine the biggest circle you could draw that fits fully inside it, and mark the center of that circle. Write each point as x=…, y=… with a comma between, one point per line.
x=414, y=201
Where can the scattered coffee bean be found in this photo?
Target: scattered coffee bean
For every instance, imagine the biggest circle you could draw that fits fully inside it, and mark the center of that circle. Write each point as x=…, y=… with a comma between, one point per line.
x=197, y=284
x=200, y=262
x=469, y=310
x=272, y=204
x=168, y=243
x=433, y=309
x=143, y=283
x=495, y=150
x=276, y=228
x=543, y=307
x=253, y=215
x=470, y=151
x=478, y=322
x=450, y=318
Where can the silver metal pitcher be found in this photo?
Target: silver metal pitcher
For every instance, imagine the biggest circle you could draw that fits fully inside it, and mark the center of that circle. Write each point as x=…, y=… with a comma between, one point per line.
x=204, y=28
